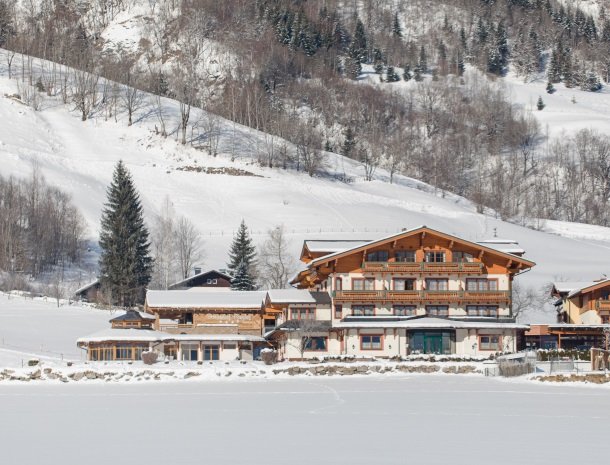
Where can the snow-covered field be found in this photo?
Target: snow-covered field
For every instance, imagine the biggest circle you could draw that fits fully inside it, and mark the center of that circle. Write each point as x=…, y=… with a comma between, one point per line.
x=414, y=419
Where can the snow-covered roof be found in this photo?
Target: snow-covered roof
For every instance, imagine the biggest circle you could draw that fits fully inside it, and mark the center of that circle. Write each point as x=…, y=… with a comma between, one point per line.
x=291, y=296
x=133, y=315
x=428, y=323
x=503, y=245
x=188, y=299
x=331, y=246
x=407, y=231
x=573, y=288
x=86, y=286
x=130, y=334
x=199, y=275
x=217, y=337
x=149, y=335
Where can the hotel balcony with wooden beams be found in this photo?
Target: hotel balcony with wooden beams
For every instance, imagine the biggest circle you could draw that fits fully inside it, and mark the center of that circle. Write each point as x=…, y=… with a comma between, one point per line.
x=475, y=268
x=467, y=297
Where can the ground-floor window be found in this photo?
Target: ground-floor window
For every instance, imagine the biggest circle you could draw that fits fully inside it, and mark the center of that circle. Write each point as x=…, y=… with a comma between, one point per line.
x=170, y=351
x=371, y=342
x=211, y=352
x=318, y=343
x=482, y=310
x=189, y=352
x=123, y=352
x=101, y=353
x=490, y=342
x=432, y=342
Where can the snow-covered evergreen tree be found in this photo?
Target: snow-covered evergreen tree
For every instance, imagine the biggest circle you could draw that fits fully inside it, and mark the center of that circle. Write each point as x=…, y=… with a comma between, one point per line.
x=242, y=251
x=242, y=281
x=125, y=261
x=392, y=75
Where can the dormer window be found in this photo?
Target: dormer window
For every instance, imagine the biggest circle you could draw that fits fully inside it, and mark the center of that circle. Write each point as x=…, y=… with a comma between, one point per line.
x=435, y=257
x=378, y=256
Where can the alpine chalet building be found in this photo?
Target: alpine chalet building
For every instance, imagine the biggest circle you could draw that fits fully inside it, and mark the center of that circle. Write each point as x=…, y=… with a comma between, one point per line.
x=418, y=291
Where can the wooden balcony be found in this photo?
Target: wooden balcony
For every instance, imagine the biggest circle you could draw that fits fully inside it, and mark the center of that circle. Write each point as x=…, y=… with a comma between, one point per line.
x=423, y=296
x=427, y=268
x=602, y=305
x=486, y=296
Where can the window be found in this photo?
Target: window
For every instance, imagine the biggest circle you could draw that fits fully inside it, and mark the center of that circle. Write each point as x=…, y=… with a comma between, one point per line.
x=378, y=256
x=435, y=257
x=404, y=310
x=437, y=310
x=435, y=284
x=371, y=342
x=482, y=310
x=338, y=284
x=187, y=319
x=100, y=353
x=229, y=346
x=481, y=284
x=123, y=352
x=367, y=284
x=338, y=311
x=363, y=310
x=189, y=352
x=308, y=313
x=491, y=342
x=401, y=284
x=462, y=257
x=317, y=343
x=405, y=256
x=211, y=352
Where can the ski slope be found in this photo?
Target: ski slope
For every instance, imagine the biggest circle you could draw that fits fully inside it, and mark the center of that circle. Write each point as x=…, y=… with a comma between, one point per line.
x=79, y=157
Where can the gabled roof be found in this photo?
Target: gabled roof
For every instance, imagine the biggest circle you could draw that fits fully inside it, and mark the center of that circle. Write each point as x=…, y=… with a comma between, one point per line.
x=188, y=299
x=87, y=286
x=414, y=231
x=200, y=275
x=133, y=315
x=290, y=296
x=573, y=289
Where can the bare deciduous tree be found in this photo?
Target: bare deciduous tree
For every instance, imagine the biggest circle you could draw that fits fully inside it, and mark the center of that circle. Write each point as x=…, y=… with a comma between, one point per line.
x=188, y=246
x=276, y=263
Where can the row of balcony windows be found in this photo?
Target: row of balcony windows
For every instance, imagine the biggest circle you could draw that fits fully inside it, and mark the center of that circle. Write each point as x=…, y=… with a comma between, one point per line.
x=491, y=311
x=410, y=284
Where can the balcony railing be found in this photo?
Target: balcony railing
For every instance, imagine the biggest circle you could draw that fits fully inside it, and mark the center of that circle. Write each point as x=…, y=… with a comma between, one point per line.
x=420, y=296
x=602, y=305
x=421, y=267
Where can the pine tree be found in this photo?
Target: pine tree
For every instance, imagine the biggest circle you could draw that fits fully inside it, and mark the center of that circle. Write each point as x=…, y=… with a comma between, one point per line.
x=359, y=43
x=242, y=281
x=349, y=143
x=242, y=251
x=392, y=75
x=125, y=262
x=396, y=29
x=540, y=104
x=550, y=88
x=423, y=60
x=406, y=74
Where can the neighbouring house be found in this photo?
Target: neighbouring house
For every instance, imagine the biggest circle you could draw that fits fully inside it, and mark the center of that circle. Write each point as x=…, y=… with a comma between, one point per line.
x=134, y=332
x=90, y=292
x=418, y=291
x=209, y=280
x=540, y=337
x=583, y=313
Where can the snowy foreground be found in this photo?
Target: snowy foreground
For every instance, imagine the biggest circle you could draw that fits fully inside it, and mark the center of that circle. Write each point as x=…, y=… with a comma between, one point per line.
x=414, y=419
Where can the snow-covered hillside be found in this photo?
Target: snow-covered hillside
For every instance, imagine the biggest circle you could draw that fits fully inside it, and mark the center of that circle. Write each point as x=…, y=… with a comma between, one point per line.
x=79, y=157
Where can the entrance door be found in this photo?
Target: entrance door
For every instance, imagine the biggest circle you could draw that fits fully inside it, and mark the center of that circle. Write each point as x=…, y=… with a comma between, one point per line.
x=433, y=343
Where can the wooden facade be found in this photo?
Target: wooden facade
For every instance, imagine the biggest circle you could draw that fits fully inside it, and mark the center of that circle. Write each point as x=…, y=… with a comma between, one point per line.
x=212, y=279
